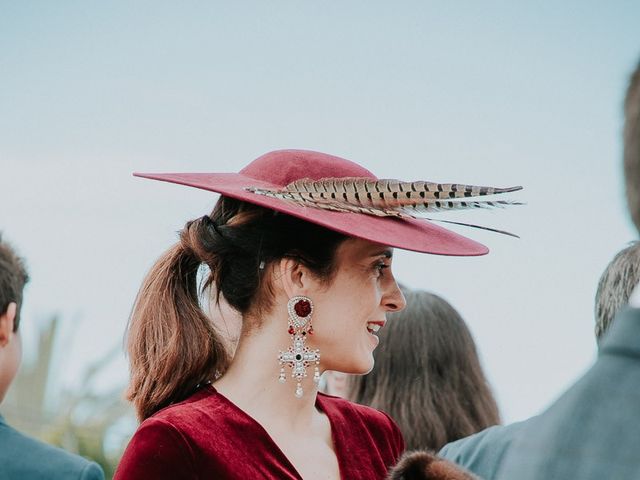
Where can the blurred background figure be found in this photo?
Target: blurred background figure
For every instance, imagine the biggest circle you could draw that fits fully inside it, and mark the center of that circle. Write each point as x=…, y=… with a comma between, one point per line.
x=22, y=457
x=483, y=453
x=591, y=431
x=615, y=286
x=427, y=375
x=632, y=147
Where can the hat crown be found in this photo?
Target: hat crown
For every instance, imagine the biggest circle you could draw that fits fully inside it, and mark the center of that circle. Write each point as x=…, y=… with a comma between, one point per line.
x=281, y=167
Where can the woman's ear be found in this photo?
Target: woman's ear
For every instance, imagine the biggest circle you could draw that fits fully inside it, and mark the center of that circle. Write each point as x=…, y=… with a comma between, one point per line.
x=296, y=278
x=7, y=321
x=290, y=276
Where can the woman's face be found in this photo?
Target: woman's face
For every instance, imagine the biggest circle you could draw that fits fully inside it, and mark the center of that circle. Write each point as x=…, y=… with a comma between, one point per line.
x=349, y=310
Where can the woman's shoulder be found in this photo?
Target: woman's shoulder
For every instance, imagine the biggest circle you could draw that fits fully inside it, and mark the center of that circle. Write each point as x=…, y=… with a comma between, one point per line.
x=202, y=403
x=166, y=445
x=180, y=420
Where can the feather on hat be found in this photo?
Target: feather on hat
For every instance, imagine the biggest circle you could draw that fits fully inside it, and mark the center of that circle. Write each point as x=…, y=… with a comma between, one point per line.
x=389, y=198
x=343, y=196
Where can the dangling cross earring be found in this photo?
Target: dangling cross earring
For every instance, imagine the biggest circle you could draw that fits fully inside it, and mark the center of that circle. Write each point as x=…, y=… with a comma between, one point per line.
x=298, y=356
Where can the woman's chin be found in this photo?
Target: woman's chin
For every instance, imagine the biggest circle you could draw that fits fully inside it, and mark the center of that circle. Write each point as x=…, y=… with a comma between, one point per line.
x=363, y=366
x=359, y=362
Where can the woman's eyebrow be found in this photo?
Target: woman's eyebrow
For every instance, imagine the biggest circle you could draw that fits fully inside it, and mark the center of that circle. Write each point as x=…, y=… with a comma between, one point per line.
x=387, y=252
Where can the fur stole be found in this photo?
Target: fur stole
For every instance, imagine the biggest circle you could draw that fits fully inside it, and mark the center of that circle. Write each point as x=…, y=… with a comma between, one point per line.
x=425, y=465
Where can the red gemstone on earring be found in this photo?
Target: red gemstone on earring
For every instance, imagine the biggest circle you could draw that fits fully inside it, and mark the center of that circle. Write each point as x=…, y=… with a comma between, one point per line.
x=291, y=331
x=310, y=330
x=302, y=308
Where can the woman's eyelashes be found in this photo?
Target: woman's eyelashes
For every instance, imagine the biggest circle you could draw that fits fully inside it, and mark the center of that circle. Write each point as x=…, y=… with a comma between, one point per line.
x=380, y=267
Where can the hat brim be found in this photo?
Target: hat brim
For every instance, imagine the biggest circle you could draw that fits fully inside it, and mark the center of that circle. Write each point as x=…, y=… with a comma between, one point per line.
x=408, y=234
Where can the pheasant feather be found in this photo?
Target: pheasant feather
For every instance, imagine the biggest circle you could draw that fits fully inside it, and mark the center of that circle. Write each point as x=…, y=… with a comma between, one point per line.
x=387, y=197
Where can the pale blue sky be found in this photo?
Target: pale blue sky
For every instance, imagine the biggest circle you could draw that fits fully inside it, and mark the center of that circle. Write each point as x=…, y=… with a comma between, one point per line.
x=488, y=92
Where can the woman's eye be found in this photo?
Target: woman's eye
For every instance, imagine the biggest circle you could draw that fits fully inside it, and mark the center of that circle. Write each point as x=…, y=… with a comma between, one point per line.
x=380, y=267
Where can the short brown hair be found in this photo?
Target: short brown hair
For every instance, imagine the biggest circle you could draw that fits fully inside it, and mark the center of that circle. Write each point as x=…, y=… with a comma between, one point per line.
x=632, y=146
x=615, y=286
x=13, y=277
x=427, y=375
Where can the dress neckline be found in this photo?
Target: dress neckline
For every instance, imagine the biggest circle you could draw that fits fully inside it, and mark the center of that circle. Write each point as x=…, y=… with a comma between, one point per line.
x=319, y=404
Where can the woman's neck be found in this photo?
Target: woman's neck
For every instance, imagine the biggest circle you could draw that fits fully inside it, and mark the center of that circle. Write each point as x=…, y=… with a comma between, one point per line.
x=251, y=382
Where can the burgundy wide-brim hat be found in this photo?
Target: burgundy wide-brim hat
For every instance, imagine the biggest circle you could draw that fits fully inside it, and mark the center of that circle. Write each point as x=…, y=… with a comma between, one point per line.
x=277, y=169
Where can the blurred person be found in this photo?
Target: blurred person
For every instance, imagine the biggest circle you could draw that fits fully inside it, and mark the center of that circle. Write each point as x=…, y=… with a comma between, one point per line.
x=22, y=457
x=427, y=375
x=632, y=148
x=484, y=452
x=311, y=276
x=592, y=431
x=615, y=286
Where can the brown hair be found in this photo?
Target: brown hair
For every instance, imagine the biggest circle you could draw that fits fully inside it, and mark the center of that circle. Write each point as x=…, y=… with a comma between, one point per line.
x=632, y=146
x=615, y=286
x=427, y=375
x=13, y=277
x=173, y=346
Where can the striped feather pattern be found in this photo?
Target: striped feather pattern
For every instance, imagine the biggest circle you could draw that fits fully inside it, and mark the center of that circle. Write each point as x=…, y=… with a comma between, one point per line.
x=388, y=197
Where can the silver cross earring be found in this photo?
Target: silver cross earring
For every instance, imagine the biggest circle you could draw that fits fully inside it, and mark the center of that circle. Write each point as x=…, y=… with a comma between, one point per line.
x=298, y=356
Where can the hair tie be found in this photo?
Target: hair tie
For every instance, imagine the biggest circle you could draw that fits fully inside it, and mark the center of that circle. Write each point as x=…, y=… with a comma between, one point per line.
x=210, y=223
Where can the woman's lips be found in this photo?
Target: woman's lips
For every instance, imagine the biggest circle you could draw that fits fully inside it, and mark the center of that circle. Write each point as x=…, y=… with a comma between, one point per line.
x=373, y=327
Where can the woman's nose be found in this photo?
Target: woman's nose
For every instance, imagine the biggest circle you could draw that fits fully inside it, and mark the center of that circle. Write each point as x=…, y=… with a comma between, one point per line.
x=394, y=301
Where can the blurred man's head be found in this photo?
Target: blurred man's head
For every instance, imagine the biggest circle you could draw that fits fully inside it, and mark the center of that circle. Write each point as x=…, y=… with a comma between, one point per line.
x=632, y=147
x=13, y=277
x=615, y=286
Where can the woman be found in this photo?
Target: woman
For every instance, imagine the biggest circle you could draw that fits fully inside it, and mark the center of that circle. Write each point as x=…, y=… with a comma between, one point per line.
x=311, y=276
x=427, y=375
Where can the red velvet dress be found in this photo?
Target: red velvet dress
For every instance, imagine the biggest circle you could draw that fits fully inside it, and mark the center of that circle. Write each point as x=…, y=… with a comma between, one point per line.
x=208, y=437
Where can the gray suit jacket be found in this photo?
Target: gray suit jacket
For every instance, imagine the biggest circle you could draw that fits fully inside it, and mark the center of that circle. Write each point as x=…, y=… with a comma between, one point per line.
x=482, y=453
x=25, y=458
x=593, y=430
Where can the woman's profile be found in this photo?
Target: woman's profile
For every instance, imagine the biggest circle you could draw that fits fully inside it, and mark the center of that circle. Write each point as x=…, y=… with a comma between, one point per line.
x=300, y=248
x=427, y=375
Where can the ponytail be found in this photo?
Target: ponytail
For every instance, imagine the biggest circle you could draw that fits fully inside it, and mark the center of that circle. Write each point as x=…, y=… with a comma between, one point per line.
x=172, y=344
